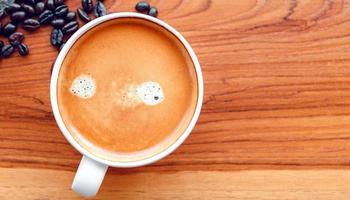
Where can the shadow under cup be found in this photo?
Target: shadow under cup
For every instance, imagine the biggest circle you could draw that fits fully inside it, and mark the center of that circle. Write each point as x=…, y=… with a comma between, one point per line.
x=117, y=54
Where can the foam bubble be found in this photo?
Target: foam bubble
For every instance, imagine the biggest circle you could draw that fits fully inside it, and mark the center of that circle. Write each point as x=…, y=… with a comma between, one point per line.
x=150, y=93
x=83, y=86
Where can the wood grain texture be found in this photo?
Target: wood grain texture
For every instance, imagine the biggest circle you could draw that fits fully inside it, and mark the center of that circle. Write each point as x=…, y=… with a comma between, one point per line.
x=250, y=184
x=277, y=96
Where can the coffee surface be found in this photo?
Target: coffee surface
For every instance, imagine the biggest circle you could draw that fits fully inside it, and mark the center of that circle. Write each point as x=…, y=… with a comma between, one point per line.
x=137, y=92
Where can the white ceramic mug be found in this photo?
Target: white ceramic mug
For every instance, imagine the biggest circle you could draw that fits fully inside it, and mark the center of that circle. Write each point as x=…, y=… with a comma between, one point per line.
x=92, y=169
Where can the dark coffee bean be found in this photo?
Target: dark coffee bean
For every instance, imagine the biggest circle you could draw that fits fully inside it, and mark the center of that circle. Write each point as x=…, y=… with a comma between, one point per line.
x=30, y=2
x=58, y=2
x=31, y=24
x=70, y=16
x=142, y=6
x=7, y=50
x=61, y=11
x=100, y=9
x=70, y=27
x=71, y=30
x=12, y=8
x=9, y=28
x=56, y=37
x=28, y=9
x=23, y=49
x=83, y=15
x=1, y=44
x=39, y=8
x=57, y=23
x=1, y=28
x=70, y=24
x=45, y=17
x=50, y=4
x=87, y=5
x=16, y=38
x=153, y=12
x=18, y=16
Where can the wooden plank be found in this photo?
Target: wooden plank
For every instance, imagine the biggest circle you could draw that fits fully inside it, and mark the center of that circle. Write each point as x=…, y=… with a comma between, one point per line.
x=265, y=185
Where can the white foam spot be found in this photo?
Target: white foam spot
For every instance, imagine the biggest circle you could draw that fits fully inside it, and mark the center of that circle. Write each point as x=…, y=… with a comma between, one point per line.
x=150, y=93
x=83, y=86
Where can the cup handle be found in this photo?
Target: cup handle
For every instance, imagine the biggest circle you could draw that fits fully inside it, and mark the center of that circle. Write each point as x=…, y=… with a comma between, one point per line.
x=89, y=177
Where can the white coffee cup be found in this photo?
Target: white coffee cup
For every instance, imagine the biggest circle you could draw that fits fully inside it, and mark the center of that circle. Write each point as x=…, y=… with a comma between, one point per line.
x=92, y=169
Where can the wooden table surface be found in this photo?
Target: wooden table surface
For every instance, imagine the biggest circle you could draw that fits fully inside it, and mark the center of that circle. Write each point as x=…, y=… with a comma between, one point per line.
x=275, y=123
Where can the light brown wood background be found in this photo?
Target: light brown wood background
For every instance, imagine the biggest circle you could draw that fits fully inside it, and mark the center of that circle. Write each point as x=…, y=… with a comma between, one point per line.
x=275, y=122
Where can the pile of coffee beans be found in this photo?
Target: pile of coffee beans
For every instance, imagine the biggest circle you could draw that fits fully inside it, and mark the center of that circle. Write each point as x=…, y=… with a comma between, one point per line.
x=17, y=14
x=88, y=7
x=32, y=14
x=145, y=7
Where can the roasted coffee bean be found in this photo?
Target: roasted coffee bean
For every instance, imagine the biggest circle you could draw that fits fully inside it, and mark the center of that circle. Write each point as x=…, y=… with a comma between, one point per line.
x=18, y=16
x=50, y=4
x=1, y=29
x=39, y=8
x=142, y=6
x=23, y=49
x=45, y=17
x=71, y=30
x=70, y=27
x=12, y=8
x=16, y=38
x=153, y=12
x=56, y=37
x=87, y=5
x=30, y=2
x=100, y=9
x=58, y=2
x=83, y=15
x=57, y=23
x=28, y=9
x=70, y=16
x=7, y=50
x=61, y=11
x=9, y=28
x=31, y=24
x=1, y=44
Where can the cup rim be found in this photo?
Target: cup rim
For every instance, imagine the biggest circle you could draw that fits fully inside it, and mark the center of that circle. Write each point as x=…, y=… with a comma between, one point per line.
x=54, y=80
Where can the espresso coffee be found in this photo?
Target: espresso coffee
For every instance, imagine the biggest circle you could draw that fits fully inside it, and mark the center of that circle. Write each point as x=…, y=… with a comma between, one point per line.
x=127, y=89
